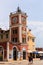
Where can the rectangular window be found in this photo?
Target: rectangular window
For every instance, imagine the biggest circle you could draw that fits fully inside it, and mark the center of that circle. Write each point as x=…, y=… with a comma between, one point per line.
x=1, y=36
x=14, y=40
x=32, y=40
x=28, y=38
x=6, y=35
x=24, y=40
x=1, y=31
x=15, y=31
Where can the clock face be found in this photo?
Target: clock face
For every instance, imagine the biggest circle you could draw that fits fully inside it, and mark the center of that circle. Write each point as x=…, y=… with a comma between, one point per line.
x=15, y=19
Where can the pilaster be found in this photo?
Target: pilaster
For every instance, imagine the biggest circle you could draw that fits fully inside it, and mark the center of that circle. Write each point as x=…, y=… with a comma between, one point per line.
x=7, y=50
x=20, y=29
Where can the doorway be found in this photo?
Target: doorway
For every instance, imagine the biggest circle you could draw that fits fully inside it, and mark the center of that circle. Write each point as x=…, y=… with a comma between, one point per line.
x=24, y=54
x=14, y=53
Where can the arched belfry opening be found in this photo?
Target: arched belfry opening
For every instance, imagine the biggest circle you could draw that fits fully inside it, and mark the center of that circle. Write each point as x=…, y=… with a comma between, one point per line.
x=14, y=53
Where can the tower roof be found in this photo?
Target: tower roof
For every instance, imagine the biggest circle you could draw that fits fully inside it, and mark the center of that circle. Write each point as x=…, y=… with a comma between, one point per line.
x=18, y=9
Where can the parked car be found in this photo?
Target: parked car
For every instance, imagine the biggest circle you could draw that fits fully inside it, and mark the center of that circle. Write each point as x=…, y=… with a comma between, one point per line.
x=41, y=57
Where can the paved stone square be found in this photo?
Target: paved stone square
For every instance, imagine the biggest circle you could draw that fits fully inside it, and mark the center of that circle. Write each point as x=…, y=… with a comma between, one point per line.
x=24, y=62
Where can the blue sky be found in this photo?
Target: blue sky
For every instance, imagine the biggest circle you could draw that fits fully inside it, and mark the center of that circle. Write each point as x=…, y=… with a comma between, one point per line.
x=34, y=10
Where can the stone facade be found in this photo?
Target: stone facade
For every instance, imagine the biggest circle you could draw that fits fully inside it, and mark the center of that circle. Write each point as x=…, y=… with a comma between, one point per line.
x=13, y=42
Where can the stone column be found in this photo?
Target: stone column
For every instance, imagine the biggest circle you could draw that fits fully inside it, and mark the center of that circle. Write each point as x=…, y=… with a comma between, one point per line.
x=20, y=29
x=10, y=35
x=10, y=25
x=20, y=34
x=26, y=35
x=7, y=50
x=35, y=55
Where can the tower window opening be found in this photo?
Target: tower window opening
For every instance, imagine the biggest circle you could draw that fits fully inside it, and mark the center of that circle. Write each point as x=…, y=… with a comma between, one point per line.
x=15, y=31
x=6, y=35
x=24, y=40
x=33, y=40
x=14, y=40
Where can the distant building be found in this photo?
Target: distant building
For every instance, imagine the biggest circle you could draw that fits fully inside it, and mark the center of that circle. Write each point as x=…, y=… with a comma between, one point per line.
x=31, y=43
x=39, y=49
x=13, y=42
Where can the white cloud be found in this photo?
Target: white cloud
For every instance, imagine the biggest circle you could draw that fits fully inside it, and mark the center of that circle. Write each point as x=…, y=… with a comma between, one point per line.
x=4, y=26
x=37, y=30
x=36, y=25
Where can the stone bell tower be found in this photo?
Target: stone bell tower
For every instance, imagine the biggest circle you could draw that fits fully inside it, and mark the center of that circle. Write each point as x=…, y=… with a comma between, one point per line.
x=18, y=27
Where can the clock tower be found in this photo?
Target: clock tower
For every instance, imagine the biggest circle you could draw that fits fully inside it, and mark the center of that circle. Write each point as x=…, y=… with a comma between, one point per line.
x=18, y=27
x=18, y=31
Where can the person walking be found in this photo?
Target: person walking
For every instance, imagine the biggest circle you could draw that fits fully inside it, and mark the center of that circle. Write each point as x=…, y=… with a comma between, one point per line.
x=30, y=59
